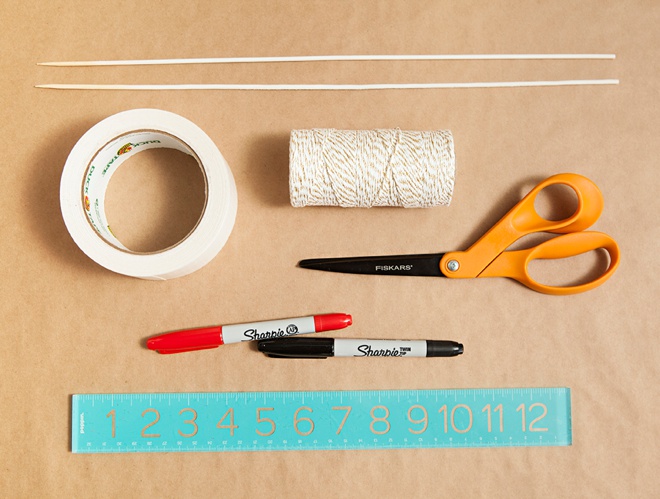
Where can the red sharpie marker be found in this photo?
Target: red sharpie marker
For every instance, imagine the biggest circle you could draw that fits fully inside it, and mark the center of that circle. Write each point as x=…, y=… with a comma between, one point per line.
x=204, y=338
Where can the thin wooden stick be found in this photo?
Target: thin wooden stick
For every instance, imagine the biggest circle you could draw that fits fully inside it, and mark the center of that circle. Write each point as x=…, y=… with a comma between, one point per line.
x=317, y=58
x=322, y=86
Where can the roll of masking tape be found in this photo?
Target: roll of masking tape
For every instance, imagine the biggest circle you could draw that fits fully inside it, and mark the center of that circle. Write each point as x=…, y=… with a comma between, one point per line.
x=99, y=153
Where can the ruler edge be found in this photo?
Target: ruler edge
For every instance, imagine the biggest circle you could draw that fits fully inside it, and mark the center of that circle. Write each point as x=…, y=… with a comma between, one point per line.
x=322, y=449
x=76, y=449
x=569, y=416
x=378, y=390
x=75, y=430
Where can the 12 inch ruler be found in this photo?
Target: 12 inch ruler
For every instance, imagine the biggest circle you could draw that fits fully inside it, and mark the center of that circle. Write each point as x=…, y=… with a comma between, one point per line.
x=261, y=421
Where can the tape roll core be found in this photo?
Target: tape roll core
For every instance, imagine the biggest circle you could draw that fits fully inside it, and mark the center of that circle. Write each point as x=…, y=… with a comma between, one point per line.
x=98, y=154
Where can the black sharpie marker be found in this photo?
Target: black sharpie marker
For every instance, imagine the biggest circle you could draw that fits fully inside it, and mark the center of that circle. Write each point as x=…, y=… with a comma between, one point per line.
x=321, y=348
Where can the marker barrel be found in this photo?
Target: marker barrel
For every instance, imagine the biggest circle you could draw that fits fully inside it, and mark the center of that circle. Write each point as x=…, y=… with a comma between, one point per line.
x=212, y=337
x=321, y=348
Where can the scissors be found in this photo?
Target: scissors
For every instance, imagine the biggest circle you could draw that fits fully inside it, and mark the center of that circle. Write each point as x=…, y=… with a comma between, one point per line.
x=488, y=258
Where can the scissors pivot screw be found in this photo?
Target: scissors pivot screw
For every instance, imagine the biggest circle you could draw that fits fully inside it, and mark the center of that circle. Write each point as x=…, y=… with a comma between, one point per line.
x=453, y=265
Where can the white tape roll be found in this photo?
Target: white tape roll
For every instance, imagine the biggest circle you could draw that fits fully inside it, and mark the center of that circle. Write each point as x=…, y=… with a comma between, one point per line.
x=98, y=154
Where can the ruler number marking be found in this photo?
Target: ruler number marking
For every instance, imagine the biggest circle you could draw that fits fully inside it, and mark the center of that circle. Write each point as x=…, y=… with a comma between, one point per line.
x=265, y=420
x=149, y=425
x=453, y=424
x=424, y=420
x=231, y=426
x=112, y=414
x=539, y=418
x=544, y=412
x=487, y=410
x=443, y=410
x=452, y=418
x=297, y=420
x=190, y=422
x=343, y=421
x=376, y=419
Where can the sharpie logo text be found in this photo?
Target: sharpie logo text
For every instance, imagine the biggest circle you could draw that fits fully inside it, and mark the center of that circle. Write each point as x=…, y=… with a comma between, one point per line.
x=253, y=334
x=390, y=268
x=367, y=351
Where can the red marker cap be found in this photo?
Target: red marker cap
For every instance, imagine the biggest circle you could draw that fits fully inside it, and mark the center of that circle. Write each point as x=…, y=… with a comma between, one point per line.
x=330, y=322
x=187, y=340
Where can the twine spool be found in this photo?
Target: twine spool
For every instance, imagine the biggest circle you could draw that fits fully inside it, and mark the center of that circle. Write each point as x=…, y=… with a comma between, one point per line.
x=365, y=168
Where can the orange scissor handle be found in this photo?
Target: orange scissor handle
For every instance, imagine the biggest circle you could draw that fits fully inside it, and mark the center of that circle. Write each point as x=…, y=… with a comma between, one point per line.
x=523, y=219
x=514, y=264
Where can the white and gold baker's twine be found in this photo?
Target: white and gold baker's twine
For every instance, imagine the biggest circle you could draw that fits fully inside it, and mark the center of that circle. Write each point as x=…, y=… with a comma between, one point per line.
x=365, y=168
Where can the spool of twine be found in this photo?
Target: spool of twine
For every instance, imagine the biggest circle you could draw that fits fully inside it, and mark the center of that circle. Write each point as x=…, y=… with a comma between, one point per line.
x=365, y=168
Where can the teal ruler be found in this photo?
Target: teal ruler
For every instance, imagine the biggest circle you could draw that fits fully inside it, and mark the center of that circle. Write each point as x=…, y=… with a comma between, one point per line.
x=262, y=421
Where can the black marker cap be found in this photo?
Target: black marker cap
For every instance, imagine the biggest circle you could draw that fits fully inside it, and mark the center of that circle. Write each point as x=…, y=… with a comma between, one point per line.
x=443, y=348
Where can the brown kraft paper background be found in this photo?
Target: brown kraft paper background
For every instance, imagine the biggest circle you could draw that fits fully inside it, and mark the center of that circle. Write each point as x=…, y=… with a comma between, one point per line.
x=70, y=326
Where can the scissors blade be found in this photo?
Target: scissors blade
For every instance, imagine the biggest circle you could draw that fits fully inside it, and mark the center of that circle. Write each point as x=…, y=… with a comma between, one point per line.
x=415, y=265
